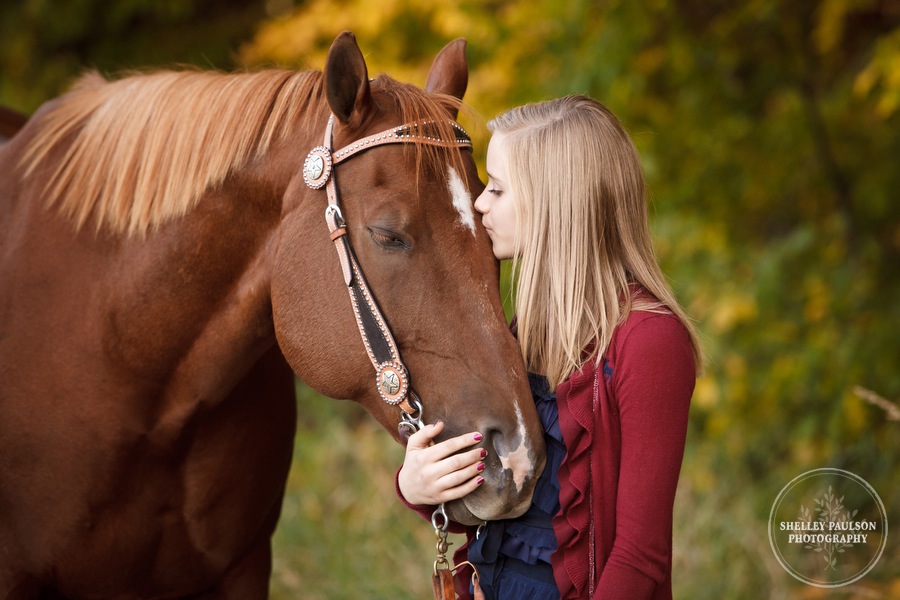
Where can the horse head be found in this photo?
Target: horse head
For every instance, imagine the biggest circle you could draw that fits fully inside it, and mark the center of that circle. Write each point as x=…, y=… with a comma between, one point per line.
x=409, y=218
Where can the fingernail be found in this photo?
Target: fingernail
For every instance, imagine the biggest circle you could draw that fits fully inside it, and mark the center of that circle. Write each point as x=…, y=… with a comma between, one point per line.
x=479, y=481
x=483, y=453
x=480, y=467
x=478, y=437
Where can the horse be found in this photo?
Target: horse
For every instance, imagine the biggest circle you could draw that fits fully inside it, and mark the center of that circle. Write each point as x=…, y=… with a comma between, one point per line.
x=166, y=272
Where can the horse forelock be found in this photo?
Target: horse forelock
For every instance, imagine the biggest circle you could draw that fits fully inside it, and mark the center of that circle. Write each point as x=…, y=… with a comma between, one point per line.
x=132, y=153
x=414, y=105
x=143, y=149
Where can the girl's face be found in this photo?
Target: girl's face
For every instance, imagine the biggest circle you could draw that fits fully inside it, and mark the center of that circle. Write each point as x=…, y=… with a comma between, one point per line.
x=497, y=202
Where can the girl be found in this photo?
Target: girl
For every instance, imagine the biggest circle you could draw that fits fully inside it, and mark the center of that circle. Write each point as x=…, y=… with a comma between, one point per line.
x=612, y=356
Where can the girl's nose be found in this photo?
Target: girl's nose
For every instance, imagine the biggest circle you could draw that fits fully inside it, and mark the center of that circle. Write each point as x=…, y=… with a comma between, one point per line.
x=482, y=204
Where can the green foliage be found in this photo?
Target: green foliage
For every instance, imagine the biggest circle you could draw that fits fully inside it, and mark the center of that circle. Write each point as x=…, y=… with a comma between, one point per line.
x=769, y=132
x=46, y=44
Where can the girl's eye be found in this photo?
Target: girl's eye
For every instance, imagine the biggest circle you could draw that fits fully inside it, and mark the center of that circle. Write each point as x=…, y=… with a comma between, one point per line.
x=494, y=191
x=388, y=240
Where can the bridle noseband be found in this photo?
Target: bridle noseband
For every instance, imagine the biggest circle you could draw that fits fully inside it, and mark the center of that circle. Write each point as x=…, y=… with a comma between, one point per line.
x=391, y=375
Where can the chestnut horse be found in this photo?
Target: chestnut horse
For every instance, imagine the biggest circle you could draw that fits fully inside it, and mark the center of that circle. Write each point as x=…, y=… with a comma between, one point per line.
x=165, y=270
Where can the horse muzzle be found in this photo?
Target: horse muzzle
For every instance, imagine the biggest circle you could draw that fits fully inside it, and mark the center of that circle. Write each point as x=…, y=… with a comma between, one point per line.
x=512, y=468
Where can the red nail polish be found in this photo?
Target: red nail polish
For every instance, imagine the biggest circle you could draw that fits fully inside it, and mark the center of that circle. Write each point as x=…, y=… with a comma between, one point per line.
x=480, y=467
x=483, y=453
x=478, y=437
x=479, y=481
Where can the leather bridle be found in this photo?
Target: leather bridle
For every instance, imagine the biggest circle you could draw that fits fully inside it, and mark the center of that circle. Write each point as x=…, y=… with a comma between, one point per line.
x=391, y=376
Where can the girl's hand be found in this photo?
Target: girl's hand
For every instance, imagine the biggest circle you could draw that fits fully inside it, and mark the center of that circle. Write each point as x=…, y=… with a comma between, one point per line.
x=432, y=474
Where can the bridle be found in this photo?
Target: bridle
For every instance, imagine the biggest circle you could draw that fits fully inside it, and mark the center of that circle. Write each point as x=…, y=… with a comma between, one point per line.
x=391, y=375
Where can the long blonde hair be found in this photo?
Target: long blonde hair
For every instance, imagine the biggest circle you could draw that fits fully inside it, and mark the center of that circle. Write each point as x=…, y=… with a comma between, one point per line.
x=583, y=235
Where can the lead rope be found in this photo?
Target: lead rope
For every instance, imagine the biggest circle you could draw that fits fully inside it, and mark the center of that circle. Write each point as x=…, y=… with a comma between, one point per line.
x=442, y=574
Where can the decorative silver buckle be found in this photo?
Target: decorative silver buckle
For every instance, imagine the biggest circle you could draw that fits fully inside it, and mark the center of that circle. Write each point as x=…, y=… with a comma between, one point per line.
x=392, y=382
x=317, y=167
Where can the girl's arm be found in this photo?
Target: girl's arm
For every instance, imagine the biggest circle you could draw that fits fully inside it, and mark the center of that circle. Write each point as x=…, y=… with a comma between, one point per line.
x=654, y=379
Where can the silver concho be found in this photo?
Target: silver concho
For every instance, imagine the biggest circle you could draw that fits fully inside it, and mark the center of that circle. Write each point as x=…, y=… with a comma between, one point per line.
x=392, y=382
x=317, y=167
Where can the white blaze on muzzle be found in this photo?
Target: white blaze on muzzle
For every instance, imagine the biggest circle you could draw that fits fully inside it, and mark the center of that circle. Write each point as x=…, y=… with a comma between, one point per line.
x=517, y=459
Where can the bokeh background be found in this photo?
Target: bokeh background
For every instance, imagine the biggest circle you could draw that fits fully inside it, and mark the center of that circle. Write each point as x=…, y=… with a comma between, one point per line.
x=770, y=135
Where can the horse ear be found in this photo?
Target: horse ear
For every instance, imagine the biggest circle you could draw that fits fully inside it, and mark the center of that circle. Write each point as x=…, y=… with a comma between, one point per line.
x=449, y=72
x=347, y=79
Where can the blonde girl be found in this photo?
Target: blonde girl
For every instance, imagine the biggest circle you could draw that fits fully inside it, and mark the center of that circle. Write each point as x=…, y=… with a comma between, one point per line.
x=612, y=360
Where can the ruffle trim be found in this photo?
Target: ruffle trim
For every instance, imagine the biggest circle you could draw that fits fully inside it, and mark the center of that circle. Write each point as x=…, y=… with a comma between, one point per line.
x=528, y=544
x=546, y=491
x=573, y=524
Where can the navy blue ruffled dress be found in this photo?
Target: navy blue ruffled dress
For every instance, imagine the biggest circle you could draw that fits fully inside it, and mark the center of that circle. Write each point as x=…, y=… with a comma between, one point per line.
x=513, y=555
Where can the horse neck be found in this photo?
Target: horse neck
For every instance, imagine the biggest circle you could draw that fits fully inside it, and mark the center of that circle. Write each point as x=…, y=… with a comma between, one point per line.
x=194, y=308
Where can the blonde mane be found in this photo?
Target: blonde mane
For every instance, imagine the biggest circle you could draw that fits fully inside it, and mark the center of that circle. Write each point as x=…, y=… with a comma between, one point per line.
x=144, y=149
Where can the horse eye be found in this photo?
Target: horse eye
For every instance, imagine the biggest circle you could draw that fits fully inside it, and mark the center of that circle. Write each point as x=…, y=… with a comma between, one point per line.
x=388, y=240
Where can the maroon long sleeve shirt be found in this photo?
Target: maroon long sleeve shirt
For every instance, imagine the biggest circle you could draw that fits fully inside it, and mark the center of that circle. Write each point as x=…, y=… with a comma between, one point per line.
x=624, y=423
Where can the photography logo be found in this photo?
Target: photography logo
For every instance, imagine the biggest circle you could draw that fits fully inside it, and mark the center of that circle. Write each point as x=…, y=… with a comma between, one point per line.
x=828, y=527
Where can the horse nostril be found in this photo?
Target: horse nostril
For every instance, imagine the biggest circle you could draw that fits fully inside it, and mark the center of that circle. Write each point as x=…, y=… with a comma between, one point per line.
x=495, y=439
x=498, y=446
x=510, y=456
x=489, y=445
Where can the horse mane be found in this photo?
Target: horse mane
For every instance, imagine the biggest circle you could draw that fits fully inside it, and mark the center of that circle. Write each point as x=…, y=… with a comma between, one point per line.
x=144, y=149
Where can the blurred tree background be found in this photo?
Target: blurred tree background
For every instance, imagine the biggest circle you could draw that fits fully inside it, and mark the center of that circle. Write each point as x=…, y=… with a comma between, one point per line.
x=770, y=134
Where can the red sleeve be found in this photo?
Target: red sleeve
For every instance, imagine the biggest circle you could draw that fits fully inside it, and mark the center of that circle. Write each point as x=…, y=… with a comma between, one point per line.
x=653, y=380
